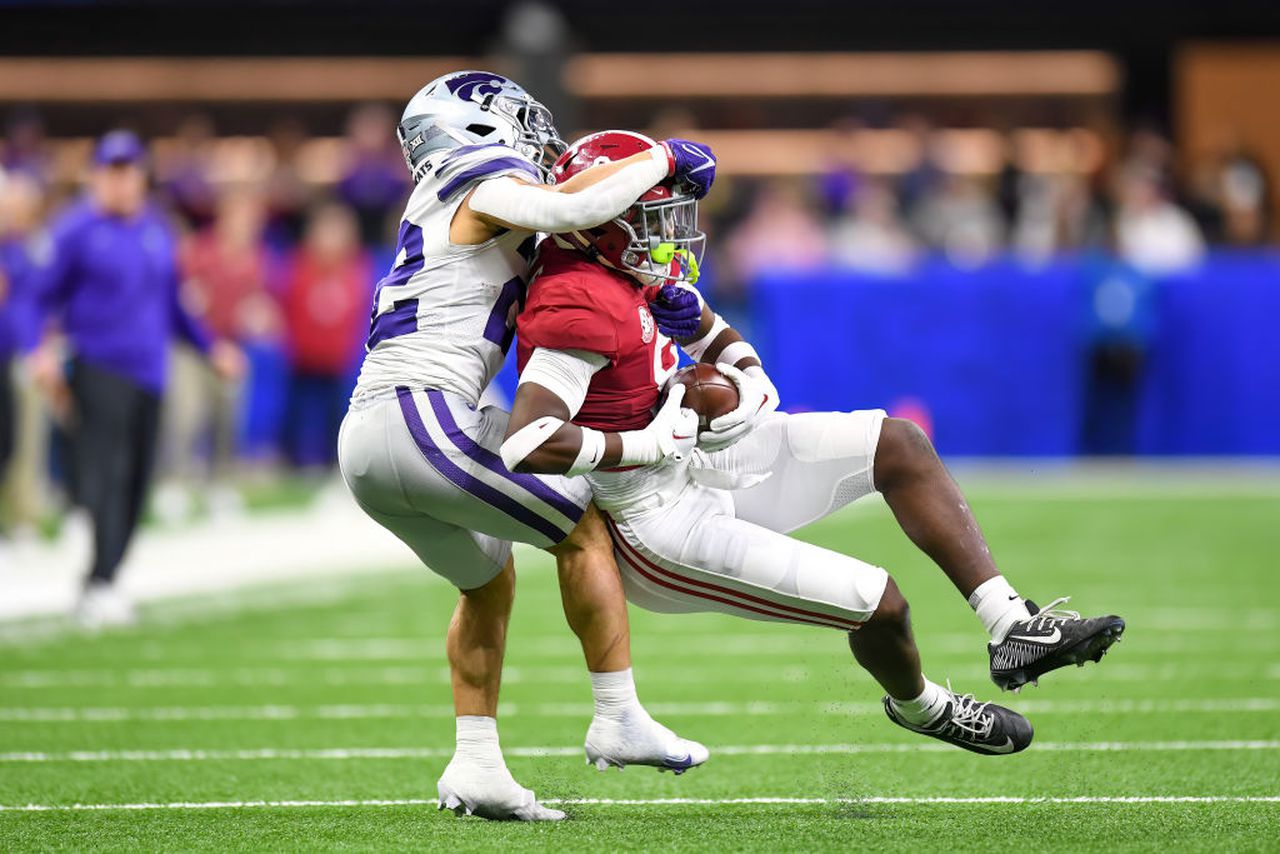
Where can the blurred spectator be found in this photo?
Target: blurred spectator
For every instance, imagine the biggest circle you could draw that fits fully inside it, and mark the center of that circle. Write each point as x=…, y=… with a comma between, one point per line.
x=841, y=179
x=1245, y=200
x=922, y=180
x=22, y=430
x=780, y=232
x=185, y=172
x=1120, y=326
x=287, y=193
x=112, y=284
x=24, y=146
x=325, y=300
x=870, y=237
x=1152, y=233
x=963, y=220
x=375, y=181
x=1057, y=212
x=226, y=270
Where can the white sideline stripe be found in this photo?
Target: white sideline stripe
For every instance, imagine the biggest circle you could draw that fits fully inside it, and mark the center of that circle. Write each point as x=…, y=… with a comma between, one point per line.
x=112, y=714
x=430, y=674
x=761, y=801
x=344, y=753
x=1117, y=671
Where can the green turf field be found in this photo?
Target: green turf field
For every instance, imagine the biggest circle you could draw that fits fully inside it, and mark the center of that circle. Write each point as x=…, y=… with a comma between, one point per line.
x=331, y=705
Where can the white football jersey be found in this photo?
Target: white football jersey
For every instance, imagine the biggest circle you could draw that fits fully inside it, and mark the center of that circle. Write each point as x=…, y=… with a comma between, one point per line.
x=444, y=316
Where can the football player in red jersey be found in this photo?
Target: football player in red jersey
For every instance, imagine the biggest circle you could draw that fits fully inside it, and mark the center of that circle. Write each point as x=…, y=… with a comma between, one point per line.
x=700, y=522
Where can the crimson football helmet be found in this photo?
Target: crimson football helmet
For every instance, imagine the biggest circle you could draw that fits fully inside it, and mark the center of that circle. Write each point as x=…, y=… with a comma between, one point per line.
x=656, y=240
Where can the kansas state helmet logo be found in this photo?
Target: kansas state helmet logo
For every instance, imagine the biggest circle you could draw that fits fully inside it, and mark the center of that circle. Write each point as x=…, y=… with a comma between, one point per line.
x=475, y=85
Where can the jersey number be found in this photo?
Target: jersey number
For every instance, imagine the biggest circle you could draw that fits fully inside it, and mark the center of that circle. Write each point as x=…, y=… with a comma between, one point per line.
x=402, y=317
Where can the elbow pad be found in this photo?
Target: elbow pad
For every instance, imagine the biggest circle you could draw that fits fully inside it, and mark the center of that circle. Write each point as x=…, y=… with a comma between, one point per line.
x=520, y=444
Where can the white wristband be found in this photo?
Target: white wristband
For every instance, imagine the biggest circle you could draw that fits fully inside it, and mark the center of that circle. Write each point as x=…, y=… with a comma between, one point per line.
x=736, y=352
x=639, y=448
x=591, y=453
x=695, y=349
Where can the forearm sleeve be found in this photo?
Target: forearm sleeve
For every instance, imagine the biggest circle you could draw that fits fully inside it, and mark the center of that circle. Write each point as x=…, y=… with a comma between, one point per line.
x=536, y=208
x=565, y=373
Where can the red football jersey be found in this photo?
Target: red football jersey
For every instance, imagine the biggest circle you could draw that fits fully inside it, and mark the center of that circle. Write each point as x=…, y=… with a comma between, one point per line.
x=577, y=304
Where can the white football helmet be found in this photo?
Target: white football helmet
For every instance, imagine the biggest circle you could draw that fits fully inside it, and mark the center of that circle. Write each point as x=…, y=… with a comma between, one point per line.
x=475, y=108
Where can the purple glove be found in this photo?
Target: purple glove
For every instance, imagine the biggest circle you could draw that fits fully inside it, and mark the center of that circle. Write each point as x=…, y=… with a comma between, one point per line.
x=692, y=163
x=677, y=311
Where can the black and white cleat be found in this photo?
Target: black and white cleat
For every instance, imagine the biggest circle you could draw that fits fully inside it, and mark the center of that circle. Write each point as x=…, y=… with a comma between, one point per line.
x=981, y=727
x=1052, y=638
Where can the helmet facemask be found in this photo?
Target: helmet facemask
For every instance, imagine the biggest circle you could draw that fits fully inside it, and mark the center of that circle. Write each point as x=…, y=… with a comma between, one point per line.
x=536, y=135
x=664, y=244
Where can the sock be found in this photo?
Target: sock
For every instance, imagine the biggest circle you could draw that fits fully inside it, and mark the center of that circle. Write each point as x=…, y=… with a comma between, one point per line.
x=477, y=740
x=615, y=693
x=998, y=606
x=925, y=708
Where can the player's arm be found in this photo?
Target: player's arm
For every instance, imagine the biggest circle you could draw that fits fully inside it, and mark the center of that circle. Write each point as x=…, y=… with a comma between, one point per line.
x=590, y=198
x=541, y=438
x=717, y=343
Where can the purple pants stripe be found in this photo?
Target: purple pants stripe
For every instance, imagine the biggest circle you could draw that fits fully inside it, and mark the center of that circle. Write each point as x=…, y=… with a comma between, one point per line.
x=493, y=462
x=466, y=482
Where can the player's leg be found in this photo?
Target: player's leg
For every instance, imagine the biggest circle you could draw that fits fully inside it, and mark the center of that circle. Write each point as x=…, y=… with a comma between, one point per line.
x=737, y=567
x=934, y=514
x=393, y=493
x=594, y=603
x=622, y=732
x=591, y=594
x=820, y=462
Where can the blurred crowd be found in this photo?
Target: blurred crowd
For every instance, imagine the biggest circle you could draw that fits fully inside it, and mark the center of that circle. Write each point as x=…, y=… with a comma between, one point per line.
x=1134, y=204
x=281, y=266
x=275, y=272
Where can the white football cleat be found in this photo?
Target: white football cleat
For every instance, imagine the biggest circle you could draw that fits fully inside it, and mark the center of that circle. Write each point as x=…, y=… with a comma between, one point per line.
x=491, y=793
x=637, y=739
x=102, y=606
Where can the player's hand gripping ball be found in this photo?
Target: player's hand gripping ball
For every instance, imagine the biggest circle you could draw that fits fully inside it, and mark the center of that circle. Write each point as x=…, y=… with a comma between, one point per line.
x=708, y=392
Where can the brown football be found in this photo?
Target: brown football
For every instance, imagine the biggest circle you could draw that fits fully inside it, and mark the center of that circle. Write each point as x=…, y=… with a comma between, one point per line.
x=707, y=392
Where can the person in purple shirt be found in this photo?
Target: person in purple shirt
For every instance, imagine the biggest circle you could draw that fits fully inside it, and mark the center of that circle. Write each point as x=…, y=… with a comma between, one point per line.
x=111, y=287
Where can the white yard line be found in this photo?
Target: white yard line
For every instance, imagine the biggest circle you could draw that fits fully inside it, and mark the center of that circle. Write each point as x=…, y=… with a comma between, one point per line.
x=758, y=801
x=115, y=714
x=657, y=672
x=349, y=753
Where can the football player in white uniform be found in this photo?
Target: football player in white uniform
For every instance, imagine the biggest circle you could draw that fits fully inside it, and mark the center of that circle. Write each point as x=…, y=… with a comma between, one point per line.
x=705, y=528
x=420, y=455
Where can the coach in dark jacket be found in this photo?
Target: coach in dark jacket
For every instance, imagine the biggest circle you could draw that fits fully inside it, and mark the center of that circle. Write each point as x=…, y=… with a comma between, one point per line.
x=111, y=286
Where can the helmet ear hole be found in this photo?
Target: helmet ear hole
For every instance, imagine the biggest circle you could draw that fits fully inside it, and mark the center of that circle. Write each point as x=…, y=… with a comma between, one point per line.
x=480, y=130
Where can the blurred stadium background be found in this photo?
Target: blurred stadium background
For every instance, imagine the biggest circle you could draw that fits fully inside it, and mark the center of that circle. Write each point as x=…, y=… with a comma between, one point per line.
x=1046, y=232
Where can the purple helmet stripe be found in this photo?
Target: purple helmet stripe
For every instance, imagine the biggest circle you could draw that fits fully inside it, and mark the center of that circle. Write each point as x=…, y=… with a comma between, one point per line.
x=467, y=482
x=493, y=462
x=488, y=169
x=465, y=150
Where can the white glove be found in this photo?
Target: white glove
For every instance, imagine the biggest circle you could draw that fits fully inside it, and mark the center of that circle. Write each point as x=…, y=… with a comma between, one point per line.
x=671, y=435
x=757, y=398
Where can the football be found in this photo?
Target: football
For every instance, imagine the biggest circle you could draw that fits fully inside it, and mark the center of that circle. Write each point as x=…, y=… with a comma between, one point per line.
x=707, y=392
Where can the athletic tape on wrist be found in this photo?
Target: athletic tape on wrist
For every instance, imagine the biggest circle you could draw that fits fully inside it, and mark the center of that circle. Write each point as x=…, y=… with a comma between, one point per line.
x=590, y=454
x=639, y=448
x=736, y=352
x=695, y=349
